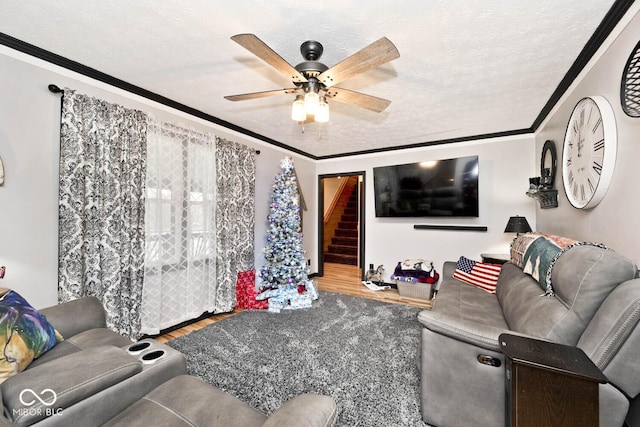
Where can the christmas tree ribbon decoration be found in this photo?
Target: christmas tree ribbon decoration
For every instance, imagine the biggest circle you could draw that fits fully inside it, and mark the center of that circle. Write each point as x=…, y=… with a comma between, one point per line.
x=285, y=281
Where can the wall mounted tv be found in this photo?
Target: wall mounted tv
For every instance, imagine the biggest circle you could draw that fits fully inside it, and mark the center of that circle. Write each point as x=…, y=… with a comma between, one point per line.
x=434, y=188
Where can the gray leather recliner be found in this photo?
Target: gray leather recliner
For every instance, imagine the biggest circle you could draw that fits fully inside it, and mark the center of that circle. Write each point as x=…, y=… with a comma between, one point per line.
x=596, y=307
x=96, y=376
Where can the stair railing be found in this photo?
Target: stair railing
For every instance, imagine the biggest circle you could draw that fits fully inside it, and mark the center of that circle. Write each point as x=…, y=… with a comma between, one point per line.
x=336, y=198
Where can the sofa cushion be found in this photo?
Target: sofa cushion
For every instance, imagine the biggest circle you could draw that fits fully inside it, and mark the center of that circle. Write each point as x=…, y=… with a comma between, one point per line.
x=83, y=340
x=582, y=277
x=48, y=389
x=25, y=334
x=308, y=409
x=72, y=317
x=612, y=340
x=466, y=313
x=524, y=306
x=195, y=404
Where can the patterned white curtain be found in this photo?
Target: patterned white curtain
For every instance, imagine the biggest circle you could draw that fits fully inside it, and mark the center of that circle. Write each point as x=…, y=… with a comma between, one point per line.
x=101, y=208
x=180, y=263
x=235, y=216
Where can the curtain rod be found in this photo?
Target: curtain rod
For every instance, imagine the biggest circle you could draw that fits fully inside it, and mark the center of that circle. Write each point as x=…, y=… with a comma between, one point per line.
x=55, y=89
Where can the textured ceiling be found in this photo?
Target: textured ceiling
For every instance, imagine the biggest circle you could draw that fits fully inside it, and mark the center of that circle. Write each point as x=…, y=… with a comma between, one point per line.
x=466, y=68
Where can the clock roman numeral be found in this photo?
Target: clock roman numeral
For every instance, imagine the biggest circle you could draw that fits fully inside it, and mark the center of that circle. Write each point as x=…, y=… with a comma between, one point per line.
x=597, y=125
x=582, y=195
x=570, y=177
x=591, y=187
x=599, y=145
x=597, y=167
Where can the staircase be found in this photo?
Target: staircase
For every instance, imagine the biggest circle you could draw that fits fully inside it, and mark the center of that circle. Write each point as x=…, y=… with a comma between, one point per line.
x=341, y=230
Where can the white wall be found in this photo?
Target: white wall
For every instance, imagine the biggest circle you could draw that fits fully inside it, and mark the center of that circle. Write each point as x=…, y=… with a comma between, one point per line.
x=29, y=139
x=505, y=167
x=29, y=148
x=331, y=186
x=616, y=220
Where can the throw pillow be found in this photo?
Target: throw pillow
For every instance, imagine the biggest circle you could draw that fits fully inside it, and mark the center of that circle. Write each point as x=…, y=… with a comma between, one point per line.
x=479, y=274
x=25, y=334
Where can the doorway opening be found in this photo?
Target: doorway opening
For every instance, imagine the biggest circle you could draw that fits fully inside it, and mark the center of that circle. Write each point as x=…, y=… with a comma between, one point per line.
x=341, y=213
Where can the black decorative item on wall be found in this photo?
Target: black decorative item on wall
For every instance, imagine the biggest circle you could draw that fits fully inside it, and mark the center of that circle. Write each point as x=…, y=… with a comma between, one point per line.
x=548, y=165
x=630, y=85
x=541, y=187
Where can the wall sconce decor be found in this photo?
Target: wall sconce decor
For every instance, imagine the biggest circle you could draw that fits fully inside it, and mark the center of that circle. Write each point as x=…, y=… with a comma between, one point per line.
x=541, y=187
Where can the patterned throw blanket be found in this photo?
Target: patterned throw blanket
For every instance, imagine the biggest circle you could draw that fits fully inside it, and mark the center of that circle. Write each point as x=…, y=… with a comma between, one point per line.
x=537, y=253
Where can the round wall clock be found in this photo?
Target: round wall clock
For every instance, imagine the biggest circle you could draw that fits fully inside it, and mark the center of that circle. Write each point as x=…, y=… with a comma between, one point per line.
x=589, y=152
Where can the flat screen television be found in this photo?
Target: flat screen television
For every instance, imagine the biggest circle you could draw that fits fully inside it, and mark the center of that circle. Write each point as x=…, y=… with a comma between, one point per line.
x=437, y=188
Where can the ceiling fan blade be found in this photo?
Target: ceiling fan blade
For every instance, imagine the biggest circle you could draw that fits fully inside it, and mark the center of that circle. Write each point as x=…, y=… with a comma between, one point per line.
x=260, y=49
x=374, y=55
x=254, y=95
x=369, y=102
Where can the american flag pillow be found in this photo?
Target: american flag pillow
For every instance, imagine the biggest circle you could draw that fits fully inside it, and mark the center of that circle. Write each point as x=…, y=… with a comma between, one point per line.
x=482, y=275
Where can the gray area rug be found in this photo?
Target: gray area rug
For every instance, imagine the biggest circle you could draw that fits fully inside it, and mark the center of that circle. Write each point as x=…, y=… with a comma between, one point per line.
x=363, y=353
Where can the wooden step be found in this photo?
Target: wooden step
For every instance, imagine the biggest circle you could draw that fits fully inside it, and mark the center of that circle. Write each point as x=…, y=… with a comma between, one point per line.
x=345, y=241
x=348, y=225
x=343, y=250
x=343, y=232
x=341, y=259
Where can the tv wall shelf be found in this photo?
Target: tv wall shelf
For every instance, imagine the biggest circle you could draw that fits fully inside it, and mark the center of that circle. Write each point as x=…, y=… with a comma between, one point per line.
x=450, y=227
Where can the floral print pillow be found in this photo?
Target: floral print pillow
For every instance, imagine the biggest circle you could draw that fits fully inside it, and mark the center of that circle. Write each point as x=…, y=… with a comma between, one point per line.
x=25, y=334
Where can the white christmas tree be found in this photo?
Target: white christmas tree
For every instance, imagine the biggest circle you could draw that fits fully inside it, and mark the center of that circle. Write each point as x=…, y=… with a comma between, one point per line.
x=285, y=281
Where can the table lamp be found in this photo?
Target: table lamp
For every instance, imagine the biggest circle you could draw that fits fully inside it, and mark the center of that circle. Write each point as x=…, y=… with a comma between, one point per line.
x=517, y=224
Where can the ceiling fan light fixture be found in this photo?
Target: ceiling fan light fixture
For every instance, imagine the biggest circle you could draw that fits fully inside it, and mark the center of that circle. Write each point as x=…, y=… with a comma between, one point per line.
x=312, y=78
x=311, y=102
x=298, y=113
x=322, y=113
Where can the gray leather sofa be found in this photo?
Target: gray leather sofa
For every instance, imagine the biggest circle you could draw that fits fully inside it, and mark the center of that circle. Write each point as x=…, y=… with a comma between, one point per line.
x=96, y=376
x=596, y=307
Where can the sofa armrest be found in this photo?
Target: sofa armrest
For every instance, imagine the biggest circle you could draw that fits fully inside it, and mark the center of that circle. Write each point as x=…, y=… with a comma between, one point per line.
x=71, y=318
x=467, y=331
x=48, y=389
x=309, y=410
x=448, y=268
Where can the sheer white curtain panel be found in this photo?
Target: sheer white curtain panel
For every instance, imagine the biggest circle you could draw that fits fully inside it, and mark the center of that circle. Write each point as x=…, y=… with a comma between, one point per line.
x=180, y=259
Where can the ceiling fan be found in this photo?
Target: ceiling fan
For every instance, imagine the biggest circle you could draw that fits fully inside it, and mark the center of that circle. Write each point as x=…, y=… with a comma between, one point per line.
x=314, y=82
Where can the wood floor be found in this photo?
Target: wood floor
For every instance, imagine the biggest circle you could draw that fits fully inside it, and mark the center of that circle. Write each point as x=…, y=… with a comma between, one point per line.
x=338, y=278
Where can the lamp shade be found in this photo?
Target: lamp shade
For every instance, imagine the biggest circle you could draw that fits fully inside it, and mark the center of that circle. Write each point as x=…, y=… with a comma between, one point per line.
x=517, y=224
x=322, y=113
x=311, y=102
x=297, y=110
